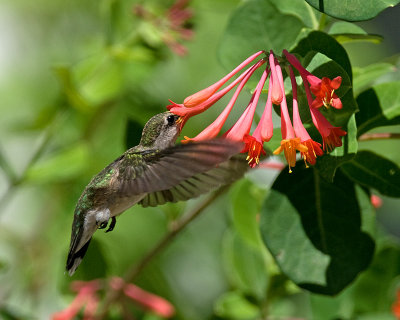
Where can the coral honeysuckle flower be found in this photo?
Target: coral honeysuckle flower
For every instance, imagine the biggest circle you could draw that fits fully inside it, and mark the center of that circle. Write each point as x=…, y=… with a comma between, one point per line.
x=170, y=26
x=265, y=125
x=289, y=144
x=201, y=96
x=396, y=306
x=214, y=128
x=331, y=135
x=313, y=147
x=147, y=300
x=254, y=147
x=186, y=113
x=276, y=90
x=324, y=91
x=376, y=201
x=86, y=298
x=243, y=125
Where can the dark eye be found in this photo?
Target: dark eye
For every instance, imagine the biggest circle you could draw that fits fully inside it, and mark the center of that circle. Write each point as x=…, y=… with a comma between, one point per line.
x=171, y=119
x=103, y=225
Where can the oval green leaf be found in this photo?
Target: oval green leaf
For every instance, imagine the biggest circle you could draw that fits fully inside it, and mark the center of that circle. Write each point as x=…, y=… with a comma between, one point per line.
x=352, y=10
x=379, y=106
x=313, y=230
x=257, y=25
x=373, y=171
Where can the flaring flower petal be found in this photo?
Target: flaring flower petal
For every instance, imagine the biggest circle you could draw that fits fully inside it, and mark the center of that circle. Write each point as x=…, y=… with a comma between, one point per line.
x=313, y=150
x=254, y=148
x=289, y=148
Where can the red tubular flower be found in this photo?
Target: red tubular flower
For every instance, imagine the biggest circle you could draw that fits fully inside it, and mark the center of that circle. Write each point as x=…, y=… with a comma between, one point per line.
x=324, y=91
x=331, y=135
x=313, y=148
x=186, y=113
x=254, y=147
x=276, y=90
x=86, y=298
x=376, y=201
x=243, y=125
x=214, y=128
x=265, y=125
x=396, y=306
x=145, y=299
x=289, y=144
x=203, y=95
x=171, y=26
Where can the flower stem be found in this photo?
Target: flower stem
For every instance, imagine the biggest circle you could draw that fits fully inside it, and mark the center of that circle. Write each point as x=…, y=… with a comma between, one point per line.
x=176, y=228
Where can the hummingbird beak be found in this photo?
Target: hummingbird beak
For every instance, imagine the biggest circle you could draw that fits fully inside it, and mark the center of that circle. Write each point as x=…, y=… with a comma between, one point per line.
x=181, y=121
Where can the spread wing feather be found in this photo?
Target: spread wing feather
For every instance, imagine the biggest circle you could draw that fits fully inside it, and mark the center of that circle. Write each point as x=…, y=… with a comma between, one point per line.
x=154, y=171
x=225, y=173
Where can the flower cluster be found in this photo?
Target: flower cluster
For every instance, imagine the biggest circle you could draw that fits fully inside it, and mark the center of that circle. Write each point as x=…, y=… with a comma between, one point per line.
x=172, y=26
x=294, y=135
x=87, y=299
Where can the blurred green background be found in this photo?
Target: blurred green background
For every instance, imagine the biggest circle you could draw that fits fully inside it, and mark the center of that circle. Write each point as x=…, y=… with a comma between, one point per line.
x=78, y=79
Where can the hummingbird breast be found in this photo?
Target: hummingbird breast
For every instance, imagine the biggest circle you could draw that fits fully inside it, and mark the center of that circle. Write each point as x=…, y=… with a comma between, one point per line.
x=120, y=204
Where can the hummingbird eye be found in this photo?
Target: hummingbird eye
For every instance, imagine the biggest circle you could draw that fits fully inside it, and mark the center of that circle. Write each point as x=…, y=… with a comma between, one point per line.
x=103, y=225
x=171, y=119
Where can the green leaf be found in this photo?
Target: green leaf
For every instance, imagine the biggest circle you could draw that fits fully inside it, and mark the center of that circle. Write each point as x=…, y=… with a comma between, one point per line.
x=352, y=10
x=246, y=207
x=104, y=82
x=245, y=266
x=257, y=25
x=344, y=31
x=302, y=10
x=315, y=238
x=369, y=75
x=328, y=163
x=379, y=106
x=374, y=171
x=62, y=166
x=233, y=305
x=10, y=314
x=380, y=276
x=70, y=90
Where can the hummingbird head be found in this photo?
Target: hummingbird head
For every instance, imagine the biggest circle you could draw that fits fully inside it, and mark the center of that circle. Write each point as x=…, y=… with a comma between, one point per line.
x=161, y=131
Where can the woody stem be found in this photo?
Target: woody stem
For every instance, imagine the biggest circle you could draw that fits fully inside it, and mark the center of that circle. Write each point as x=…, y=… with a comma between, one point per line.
x=379, y=136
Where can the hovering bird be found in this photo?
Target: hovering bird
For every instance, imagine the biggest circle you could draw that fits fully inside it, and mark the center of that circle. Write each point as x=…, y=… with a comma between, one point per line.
x=152, y=173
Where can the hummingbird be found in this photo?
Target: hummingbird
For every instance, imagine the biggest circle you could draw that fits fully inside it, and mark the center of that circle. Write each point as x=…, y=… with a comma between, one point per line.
x=152, y=173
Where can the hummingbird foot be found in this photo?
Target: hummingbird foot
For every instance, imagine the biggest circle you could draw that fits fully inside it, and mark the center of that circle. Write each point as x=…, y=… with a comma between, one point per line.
x=112, y=224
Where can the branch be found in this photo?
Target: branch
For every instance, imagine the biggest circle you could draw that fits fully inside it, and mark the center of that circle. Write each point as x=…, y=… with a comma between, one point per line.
x=379, y=136
x=176, y=228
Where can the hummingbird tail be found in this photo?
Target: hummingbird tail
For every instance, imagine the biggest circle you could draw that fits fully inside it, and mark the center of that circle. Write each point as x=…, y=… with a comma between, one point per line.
x=75, y=258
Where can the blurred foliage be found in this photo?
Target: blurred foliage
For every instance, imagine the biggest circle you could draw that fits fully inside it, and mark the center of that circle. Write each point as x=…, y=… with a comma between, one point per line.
x=78, y=80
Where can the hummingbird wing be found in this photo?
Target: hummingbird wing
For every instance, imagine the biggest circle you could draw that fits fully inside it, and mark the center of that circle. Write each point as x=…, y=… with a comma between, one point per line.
x=225, y=173
x=152, y=171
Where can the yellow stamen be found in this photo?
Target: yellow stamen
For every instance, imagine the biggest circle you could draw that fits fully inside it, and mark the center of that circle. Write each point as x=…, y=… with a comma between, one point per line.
x=289, y=147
